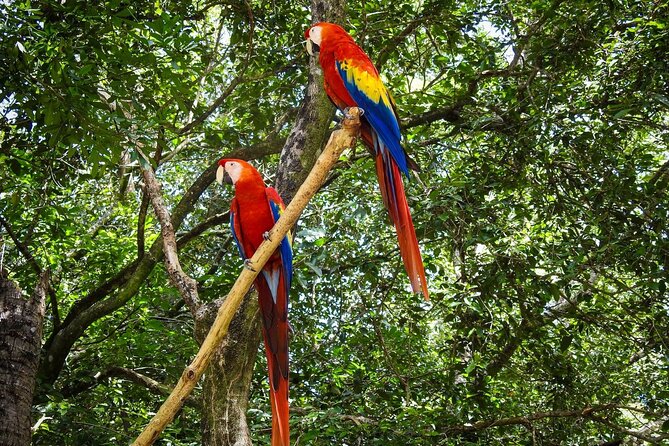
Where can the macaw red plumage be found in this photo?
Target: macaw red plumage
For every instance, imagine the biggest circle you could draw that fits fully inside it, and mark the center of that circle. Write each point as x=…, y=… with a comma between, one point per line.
x=253, y=212
x=351, y=80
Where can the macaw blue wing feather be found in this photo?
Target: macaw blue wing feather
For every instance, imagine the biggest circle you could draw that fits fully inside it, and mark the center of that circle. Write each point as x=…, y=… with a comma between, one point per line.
x=367, y=90
x=236, y=227
x=285, y=248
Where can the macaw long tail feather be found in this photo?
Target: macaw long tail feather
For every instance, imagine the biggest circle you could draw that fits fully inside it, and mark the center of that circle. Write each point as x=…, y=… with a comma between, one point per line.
x=392, y=191
x=280, y=412
x=273, y=299
x=278, y=396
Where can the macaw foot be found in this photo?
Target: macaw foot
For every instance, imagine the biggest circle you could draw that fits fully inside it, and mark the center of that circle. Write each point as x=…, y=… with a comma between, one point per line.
x=248, y=265
x=265, y=236
x=347, y=112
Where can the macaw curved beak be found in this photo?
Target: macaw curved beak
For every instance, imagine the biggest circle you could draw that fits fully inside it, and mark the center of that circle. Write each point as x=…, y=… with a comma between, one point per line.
x=312, y=48
x=222, y=175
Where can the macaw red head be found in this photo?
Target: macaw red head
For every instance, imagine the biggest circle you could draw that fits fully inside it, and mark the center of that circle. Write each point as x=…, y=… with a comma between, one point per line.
x=320, y=32
x=233, y=171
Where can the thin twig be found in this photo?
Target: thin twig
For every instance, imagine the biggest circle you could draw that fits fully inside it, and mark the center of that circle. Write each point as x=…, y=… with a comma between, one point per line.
x=212, y=221
x=23, y=248
x=586, y=412
x=233, y=84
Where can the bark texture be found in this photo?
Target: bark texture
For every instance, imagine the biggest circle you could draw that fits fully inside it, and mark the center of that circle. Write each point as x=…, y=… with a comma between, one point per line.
x=309, y=134
x=21, y=321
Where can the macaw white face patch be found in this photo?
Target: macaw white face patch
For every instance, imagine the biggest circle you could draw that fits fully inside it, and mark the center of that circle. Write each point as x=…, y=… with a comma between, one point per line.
x=315, y=35
x=314, y=40
x=234, y=170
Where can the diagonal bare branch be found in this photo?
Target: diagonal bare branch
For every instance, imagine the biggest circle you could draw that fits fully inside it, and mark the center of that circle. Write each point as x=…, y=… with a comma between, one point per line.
x=186, y=285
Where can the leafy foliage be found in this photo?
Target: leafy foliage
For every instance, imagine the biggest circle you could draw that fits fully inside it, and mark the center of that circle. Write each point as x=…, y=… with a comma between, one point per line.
x=541, y=128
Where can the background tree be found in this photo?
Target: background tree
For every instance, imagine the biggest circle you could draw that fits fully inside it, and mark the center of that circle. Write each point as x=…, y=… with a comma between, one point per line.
x=541, y=209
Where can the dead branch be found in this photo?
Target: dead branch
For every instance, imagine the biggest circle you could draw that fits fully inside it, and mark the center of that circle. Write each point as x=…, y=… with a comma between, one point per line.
x=186, y=285
x=588, y=413
x=153, y=386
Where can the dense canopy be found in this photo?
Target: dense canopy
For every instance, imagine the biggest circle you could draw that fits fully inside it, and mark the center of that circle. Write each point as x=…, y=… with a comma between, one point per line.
x=541, y=208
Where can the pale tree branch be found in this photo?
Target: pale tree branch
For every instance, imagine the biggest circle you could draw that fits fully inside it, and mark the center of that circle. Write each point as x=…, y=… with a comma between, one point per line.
x=155, y=387
x=534, y=28
x=648, y=429
x=526, y=420
x=356, y=419
x=186, y=285
x=529, y=326
x=641, y=434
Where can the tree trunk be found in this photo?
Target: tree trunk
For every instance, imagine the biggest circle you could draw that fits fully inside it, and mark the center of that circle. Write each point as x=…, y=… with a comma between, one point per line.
x=227, y=381
x=228, y=378
x=21, y=322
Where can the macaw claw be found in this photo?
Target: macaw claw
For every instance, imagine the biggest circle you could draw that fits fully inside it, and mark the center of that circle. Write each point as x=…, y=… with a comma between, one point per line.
x=249, y=265
x=265, y=236
x=347, y=112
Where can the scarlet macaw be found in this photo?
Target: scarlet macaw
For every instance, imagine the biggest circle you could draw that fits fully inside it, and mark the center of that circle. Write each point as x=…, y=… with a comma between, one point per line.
x=254, y=210
x=351, y=80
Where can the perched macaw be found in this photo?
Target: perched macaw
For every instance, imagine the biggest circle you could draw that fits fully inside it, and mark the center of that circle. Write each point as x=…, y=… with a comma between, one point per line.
x=351, y=80
x=254, y=210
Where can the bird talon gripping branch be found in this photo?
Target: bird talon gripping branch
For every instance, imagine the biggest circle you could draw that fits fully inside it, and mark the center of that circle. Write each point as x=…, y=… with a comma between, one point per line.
x=348, y=115
x=249, y=265
x=265, y=236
